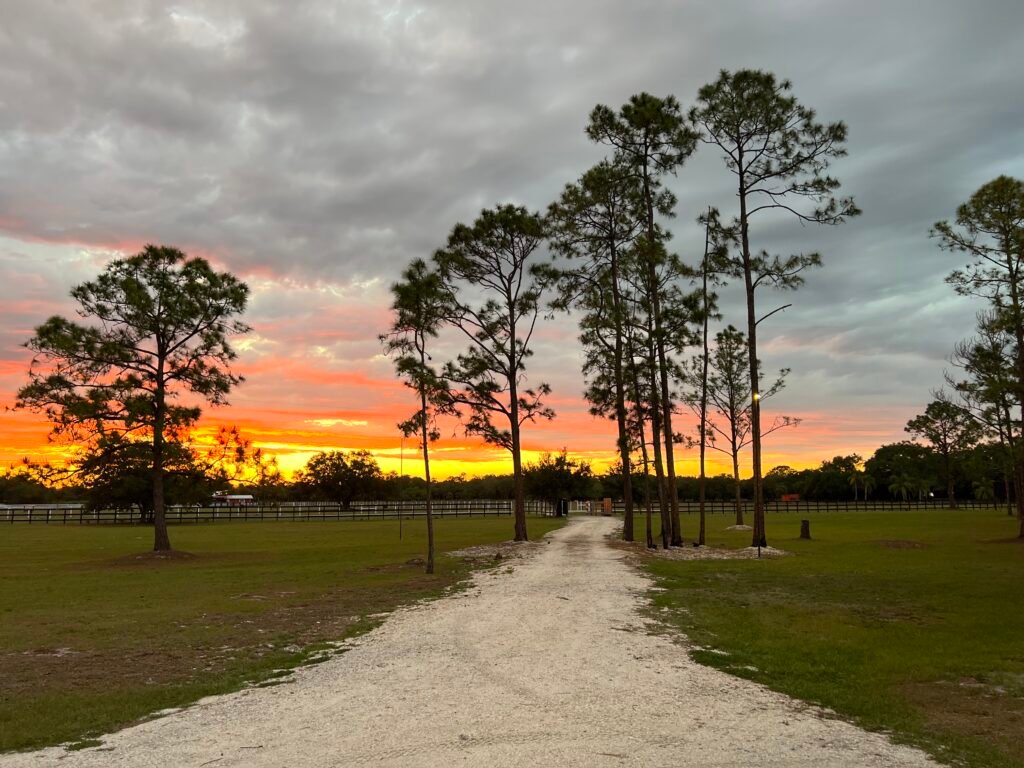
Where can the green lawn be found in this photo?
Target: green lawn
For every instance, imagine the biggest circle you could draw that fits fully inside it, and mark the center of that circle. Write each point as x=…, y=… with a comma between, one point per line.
x=92, y=636
x=911, y=622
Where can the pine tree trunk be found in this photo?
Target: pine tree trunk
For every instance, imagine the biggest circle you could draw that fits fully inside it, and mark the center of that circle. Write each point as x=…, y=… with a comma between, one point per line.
x=638, y=413
x=659, y=472
x=759, y=538
x=1018, y=331
x=649, y=523
x=517, y=459
x=736, y=487
x=672, y=534
x=670, y=462
x=620, y=403
x=425, y=436
x=702, y=480
x=627, y=481
x=627, y=470
x=702, y=500
x=517, y=476
x=161, y=539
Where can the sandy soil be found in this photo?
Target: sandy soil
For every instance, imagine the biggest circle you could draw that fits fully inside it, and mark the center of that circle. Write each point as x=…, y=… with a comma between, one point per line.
x=707, y=553
x=544, y=662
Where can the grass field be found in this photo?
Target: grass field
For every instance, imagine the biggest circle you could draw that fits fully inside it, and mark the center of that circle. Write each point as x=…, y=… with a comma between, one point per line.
x=910, y=622
x=93, y=636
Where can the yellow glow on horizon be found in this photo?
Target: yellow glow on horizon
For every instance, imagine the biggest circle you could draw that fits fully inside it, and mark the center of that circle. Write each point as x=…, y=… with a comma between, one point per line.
x=498, y=462
x=470, y=461
x=293, y=448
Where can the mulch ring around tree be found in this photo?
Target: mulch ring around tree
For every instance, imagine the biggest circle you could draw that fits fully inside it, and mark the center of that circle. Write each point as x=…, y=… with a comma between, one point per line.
x=690, y=552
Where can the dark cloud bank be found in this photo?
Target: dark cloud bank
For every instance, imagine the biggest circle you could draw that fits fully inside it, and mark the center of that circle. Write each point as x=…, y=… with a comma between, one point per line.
x=326, y=142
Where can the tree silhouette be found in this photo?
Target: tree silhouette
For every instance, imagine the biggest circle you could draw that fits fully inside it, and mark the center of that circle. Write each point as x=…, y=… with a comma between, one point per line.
x=493, y=298
x=650, y=136
x=420, y=306
x=342, y=476
x=594, y=226
x=944, y=425
x=159, y=327
x=989, y=229
x=779, y=156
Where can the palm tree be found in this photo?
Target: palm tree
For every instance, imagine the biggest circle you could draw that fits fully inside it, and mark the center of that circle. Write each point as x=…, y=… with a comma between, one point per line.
x=855, y=480
x=924, y=487
x=867, y=482
x=983, y=490
x=903, y=485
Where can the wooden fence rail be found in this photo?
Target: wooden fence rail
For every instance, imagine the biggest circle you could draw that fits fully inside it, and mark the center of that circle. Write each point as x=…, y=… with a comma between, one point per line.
x=64, y=514
x=720, y=507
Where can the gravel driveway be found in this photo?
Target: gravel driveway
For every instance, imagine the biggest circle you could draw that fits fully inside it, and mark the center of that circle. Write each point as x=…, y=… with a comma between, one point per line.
x=542, y=663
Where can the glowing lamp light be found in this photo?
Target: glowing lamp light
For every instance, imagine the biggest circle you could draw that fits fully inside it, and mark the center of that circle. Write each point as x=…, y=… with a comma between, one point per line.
x=756, y=396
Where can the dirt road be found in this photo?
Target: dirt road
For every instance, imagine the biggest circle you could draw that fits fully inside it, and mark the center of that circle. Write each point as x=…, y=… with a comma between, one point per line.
x=544, y=663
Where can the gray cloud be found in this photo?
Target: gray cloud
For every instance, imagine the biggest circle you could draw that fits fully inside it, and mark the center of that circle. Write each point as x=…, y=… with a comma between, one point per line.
x=327, y=141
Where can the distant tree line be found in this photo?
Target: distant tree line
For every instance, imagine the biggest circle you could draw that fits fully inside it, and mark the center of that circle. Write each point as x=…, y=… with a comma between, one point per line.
x=904, y=471
x=232, y=465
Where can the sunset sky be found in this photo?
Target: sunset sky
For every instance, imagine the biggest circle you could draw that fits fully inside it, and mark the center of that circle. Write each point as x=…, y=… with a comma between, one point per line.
x=315, y=148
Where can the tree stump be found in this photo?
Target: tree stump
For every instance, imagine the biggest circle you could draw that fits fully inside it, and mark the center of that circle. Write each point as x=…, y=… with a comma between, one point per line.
x=805, y=529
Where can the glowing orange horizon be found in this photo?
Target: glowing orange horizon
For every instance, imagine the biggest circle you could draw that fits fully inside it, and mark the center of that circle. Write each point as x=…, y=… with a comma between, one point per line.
x=316, y=380
x=25, y=436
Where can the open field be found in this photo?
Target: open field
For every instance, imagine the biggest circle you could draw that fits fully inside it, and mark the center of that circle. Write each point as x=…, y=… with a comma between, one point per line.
x=911, y=622
x=546, y=662
x=94, y=636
